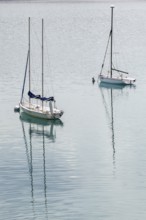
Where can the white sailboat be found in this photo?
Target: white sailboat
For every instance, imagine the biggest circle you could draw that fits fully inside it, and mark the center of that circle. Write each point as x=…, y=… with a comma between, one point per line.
x=121, y=78
x=46, y=109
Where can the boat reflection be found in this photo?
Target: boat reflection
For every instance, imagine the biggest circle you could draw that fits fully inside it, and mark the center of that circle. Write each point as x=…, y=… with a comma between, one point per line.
x=115, y=86
x=44, y=130
x=109, y=108
x=29, y=119
x=41, y=127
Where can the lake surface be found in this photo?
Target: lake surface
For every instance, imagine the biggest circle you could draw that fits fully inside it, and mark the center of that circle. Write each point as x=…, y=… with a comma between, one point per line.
x=91, y=164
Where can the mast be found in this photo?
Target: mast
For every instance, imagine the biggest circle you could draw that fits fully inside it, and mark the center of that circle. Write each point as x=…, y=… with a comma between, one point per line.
x=112, y=7
x=42, y=60
x=29, y=57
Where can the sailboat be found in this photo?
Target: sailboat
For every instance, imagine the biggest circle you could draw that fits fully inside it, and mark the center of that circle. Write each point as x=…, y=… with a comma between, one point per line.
x=121, y=78
x=47, y=108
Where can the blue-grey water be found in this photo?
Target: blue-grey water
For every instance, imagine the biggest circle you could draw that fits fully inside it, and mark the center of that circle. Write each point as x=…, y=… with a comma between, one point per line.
x=91, y=165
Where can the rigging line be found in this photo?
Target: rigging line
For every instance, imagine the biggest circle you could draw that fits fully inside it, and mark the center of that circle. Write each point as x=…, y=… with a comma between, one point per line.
x=49, y=67
x=121, y=58
x=34, y=31
x=25, y=76
x=34, y=85
x=101, y=36
x=48, y=63
x=37, y=78
x=117, y=44
x=105, y=53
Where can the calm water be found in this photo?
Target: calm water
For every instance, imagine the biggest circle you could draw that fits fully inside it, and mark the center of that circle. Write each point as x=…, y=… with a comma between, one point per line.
x=91, y=165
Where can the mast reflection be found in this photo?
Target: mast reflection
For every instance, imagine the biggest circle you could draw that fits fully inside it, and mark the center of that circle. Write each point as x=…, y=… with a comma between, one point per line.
x=45, y=130
x=112, y=125
x=28, y=148
x=110, y=114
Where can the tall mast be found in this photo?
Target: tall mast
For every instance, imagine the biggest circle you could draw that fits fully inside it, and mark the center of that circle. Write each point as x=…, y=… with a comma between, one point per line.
x=112, y=7
x=29, y=56
x=42, y=60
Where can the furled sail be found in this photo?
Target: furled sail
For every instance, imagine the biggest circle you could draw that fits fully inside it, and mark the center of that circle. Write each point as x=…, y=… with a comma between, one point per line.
x=33, y=96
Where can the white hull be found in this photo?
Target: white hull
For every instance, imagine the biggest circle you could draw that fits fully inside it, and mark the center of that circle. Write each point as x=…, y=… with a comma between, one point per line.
x=117, y=80
x=37, y=112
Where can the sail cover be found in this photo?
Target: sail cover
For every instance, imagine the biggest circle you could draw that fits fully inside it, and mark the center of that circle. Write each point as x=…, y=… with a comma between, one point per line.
x=33, y=96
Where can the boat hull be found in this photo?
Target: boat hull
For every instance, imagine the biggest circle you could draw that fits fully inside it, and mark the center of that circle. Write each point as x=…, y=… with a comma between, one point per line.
x=117, y=80
x=38, y=113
